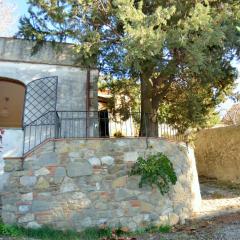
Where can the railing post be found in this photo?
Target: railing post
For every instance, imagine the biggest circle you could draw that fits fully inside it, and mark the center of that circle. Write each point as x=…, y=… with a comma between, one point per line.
x=86, y=127
x=24, y=136
x=56, y=130
x=57, y=125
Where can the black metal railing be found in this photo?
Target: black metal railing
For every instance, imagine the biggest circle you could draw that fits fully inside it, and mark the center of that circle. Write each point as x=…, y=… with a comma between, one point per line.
x=93, y=124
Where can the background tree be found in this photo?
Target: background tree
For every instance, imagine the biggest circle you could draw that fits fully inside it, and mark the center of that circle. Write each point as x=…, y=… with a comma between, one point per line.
x=177, y=52
x=232, y=117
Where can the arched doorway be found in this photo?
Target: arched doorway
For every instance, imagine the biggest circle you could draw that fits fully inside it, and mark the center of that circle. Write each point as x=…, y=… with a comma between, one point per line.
x=32, y=108
x=12, y=94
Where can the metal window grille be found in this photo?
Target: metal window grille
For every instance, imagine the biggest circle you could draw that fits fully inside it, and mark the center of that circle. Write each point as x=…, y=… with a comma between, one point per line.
x=41, y=97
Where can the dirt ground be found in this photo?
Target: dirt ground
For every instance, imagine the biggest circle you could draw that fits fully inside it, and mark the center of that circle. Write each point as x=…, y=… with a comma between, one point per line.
x=219, y=218
x=225, y=227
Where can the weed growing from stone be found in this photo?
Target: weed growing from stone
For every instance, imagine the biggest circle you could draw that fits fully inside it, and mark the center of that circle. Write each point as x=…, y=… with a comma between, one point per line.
x=155, y=170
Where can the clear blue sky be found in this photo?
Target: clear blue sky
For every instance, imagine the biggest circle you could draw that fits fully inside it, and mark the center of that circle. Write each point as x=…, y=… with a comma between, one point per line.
x=22, y=9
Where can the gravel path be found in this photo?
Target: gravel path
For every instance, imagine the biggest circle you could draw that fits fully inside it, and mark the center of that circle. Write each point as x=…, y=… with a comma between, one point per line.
x=218, y=198
x=225, y=227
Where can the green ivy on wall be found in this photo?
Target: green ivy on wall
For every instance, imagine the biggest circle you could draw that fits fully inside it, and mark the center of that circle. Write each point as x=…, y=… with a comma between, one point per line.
x=155, y=170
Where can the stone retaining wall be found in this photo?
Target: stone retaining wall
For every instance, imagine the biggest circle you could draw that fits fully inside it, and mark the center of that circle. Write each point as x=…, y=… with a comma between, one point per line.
x=85, y=183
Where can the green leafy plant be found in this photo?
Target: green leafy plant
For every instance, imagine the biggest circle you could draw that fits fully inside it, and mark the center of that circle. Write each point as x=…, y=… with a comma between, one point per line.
x=155, y=170
x=118, y=134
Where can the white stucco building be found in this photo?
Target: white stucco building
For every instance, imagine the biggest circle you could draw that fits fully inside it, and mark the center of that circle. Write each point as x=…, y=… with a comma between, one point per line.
x=36, y=87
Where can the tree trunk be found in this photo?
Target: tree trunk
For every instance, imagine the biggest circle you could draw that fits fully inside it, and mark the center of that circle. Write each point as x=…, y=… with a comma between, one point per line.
x=149, y=108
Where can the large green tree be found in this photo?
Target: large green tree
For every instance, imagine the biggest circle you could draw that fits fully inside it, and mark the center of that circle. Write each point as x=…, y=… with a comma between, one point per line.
x=177, y=52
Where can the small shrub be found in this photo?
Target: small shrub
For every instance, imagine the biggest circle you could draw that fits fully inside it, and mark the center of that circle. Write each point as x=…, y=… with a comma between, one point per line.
x=155, y=170
x=118, y=134
x=7, y=230
x=165, y=229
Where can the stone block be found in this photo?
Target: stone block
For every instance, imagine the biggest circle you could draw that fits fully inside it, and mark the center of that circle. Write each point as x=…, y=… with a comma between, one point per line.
x=138, y=219
x=8, y=167
x=27, y=197
x=59, y=175
x=28, y=181
x=166, y=209
x=120, y=212
x=107, y=160
x=120, y=182
x=8, y=217
x=23, y=208
x=132, y=226
x=94, y=161
x=9, y=208
x=47, y=159
x=146, y=207
x=38, y=206
x=26, y=218
x=78, y=169
x=4, y=178
x=80, y=219
x=101, y=205
x=98, y=186
x=130, y=157
x=68, y=185
x=13, y=165
x=163, y=220
x=180, y=192
x=33, y=225
x=122, y=194
x=133, y=182
x=41, y=172
x=86, y=222
x=173, y=219
x=74, y=155
x=42, y=183
x=135, y=203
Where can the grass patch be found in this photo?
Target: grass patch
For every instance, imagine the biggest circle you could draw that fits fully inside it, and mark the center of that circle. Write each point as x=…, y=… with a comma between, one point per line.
x=47, y=233
x=154, y=229
x=50, y=234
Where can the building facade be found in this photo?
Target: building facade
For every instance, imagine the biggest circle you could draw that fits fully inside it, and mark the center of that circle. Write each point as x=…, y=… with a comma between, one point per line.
x=34, y=87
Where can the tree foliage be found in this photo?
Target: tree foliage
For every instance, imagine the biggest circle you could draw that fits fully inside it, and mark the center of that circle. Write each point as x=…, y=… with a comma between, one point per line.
x=176, y=53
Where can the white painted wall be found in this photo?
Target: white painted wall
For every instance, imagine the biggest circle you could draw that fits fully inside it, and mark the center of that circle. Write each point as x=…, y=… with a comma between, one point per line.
x=71, y=81
x=71, y=91
x=11, y=145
